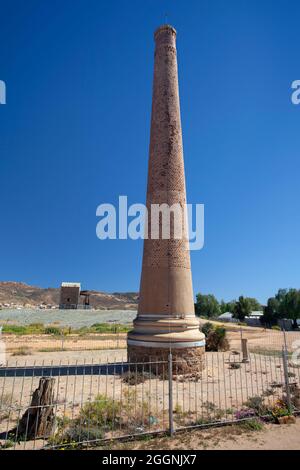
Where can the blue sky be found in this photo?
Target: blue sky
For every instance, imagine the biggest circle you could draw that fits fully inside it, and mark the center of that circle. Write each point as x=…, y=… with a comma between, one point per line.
x=75, y=133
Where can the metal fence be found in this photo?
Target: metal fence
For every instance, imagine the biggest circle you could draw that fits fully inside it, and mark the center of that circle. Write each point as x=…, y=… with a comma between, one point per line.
x=42, y=346
x=71, y=405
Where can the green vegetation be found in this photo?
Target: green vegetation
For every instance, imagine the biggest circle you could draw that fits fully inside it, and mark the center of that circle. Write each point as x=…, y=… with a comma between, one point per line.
x=39, y=328
x=103, y=411
x=253, y=424
x=108, y=328
x=244, y=306
x=208, y=306
x=227, y=306
x=280, y=409
x=285, y=304
x=52, y=330
x=207, y=328
x=7, y=444
x=256, y=403
x=100, y=416
x=215, y=337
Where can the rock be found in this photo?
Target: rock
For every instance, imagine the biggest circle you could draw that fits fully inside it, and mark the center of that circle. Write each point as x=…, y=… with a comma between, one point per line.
x=287, y=420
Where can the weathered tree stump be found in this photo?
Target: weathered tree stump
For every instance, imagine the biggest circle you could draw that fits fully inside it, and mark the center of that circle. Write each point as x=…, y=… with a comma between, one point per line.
x=38, y=419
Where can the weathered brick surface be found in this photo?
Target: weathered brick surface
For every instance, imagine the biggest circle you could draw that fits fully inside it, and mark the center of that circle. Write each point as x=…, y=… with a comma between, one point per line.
x=185, y=361
x=166, y=304
x=166, y=179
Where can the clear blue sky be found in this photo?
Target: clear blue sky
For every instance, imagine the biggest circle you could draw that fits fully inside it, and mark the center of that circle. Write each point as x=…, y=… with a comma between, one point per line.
x=75, y=133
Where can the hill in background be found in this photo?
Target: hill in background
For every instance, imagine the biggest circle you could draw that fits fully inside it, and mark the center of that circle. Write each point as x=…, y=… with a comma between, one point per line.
x=19, y=294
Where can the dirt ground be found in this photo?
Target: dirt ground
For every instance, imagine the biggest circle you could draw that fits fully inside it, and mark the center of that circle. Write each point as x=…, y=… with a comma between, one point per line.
x=258, y=338
x=234, y=437
x=45, y=344
x=47, y=349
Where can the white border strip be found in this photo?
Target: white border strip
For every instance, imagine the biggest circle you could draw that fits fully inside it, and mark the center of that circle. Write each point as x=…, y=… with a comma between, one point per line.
x=159, y=316
x=171, y=344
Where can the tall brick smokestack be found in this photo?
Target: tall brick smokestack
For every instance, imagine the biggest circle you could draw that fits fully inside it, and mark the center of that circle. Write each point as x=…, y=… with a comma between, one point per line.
x=166, y=319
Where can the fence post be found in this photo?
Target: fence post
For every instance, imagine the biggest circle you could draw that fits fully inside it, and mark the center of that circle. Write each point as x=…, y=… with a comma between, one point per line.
x=245, y=350
x=170, y=376
x=286, y=378
x=284, y=339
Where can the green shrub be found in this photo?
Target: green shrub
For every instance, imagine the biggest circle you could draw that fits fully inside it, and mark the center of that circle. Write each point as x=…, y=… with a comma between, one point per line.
x=14, y=329
x=74, y=436
x=276, y=327
x=100, y=412
x=33, y=328
x=53, y=330
x=280, y=409
x=207, y=328
x=7, y=444
x=256, y=403
x=109, y=328
x=215, y=337
x=253, y=424
x=216, y=340
x=69, y=434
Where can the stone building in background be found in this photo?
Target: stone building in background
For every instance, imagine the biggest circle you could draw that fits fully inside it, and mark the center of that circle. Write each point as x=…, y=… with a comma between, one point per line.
x=166, y=318
x=69, y=295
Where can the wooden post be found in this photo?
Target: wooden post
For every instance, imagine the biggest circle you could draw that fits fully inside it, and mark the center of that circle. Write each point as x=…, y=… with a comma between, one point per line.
x=38, y=419
x=245, y=350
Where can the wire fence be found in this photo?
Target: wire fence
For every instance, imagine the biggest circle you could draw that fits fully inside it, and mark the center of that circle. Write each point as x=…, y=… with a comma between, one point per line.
x=39, y=347
x=259, y=339
x=30, y=344
x=87, y=403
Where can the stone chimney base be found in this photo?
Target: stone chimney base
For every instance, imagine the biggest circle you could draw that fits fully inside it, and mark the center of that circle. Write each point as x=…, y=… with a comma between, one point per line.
x=185, y=360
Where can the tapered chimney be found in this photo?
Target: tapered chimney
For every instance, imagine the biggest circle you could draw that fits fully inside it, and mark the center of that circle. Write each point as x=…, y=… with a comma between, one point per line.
x=166, y=320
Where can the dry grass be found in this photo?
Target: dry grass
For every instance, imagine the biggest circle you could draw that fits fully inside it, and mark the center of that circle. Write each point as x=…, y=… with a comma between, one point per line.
x=22, y=351
x=5, y=404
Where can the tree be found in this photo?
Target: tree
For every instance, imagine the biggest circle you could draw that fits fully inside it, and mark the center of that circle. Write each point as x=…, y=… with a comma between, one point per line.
x=227, y=306
x=254, y=304
x=281, y=294
x=207, y=306
x=290, y=306
x=285, y=304
x=271, y=312
x=242, y=308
